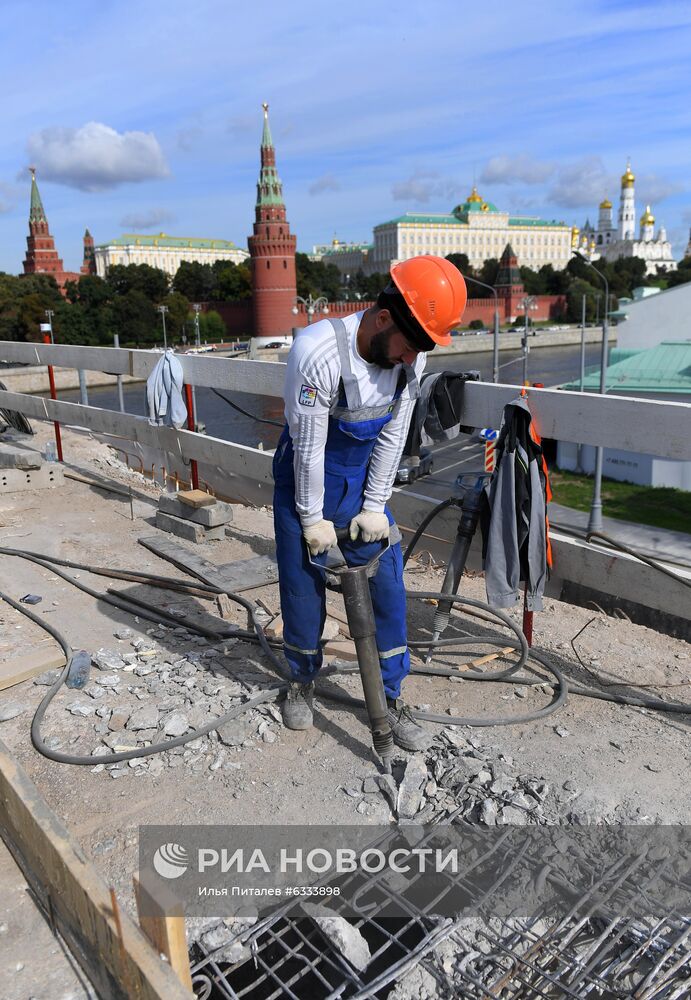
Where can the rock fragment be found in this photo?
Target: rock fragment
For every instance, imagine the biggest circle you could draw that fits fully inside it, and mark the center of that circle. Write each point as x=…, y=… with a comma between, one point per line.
x=411, y=787
x=343, y=936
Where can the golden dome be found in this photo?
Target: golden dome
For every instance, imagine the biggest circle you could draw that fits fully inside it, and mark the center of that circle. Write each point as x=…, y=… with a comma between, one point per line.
x=575, y=232
x=605, y=203
x=647, y=219
x=474, y=196
x=628, y=178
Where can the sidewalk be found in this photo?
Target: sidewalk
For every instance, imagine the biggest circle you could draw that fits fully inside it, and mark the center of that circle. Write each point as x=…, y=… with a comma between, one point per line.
x=658, y=543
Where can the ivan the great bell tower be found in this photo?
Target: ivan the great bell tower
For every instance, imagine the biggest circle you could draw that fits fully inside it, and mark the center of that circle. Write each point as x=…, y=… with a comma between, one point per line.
x=272, y=249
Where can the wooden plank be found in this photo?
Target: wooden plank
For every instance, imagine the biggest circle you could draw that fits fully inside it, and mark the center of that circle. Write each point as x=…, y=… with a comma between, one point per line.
x=196, y=498
x=185, y=559
x=262, y=377
x=238, y=459
x=651, y=427
x=248, y=574
x=21, y=668
x=162, y=919
x=66, y=885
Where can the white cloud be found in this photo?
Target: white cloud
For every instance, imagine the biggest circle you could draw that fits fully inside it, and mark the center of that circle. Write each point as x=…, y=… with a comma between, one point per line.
x=95, y=157
x=512, y=169
x=327, y=182
x=148, y=219
x=423, y=185
x=650, y=189
x=583, y=184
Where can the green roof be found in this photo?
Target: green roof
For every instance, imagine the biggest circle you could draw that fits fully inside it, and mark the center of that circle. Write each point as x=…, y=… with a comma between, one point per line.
x=665, y=369
x=36, y=211
x=171, y=242
x=454, y=220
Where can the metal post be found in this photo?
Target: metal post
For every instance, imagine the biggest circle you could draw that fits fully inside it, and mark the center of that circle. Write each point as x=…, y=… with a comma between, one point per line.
x=197, y=308
x=495, y=345
x=47, y=339
x=194, y=472
x=595, y=519
x=83, y=394
x=121, y=398
x=583, y=344
x=526, y=348
x=163, y=310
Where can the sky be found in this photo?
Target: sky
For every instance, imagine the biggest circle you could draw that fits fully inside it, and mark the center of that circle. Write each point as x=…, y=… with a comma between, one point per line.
x=146, y=116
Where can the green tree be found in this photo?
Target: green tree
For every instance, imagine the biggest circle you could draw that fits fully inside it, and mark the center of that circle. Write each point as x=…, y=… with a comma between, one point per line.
x=489, y=271
x=233, y=281
x=681, y=275
x=133, y=317
x=197, y=282
x=176, y=317
x=152, y=282
x=316, y=278
x=211, y=327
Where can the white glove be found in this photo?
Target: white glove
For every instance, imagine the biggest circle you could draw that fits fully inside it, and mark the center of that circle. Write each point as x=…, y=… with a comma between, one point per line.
x=374, y=526
x=320, y=537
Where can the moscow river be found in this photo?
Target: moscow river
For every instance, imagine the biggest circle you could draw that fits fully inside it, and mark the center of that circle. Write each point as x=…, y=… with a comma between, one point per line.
x=550, y=365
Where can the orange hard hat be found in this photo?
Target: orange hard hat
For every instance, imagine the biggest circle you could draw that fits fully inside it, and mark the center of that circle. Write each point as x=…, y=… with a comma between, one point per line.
x=435, y=293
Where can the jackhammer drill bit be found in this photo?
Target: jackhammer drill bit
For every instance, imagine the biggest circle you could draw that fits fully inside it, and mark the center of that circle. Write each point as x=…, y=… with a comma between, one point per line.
x=358, y=607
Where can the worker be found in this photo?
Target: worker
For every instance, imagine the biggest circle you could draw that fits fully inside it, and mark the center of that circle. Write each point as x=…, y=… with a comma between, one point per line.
x=350, y=391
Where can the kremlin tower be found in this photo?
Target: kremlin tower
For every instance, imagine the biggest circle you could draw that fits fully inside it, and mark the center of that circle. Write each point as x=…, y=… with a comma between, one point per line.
x=89, y=262
x=41, y=255
x=272, y=249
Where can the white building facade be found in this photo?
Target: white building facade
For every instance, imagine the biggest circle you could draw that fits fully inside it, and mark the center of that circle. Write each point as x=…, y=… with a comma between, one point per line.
x=612, y=242
x=164, y=252
x=476, y=228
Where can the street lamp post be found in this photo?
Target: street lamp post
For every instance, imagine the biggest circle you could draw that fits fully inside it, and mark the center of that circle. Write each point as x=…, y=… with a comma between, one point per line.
x=197, y=309
x=527, y=303
x=49, y=314
x=595, y=519
x=311, y=306
x=163, y=310
x=495, y=344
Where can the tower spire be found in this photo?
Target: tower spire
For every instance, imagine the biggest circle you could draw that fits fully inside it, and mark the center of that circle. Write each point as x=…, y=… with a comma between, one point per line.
x=269, y=187
x=36, y=210
x=272, y=248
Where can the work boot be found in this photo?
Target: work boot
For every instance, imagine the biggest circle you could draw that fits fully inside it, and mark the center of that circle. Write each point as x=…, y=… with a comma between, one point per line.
x=297, y=707
x=406, y=732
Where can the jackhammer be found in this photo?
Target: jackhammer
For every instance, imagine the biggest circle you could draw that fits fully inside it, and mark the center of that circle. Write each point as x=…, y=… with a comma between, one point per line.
x=470, y=503
x=353, y=582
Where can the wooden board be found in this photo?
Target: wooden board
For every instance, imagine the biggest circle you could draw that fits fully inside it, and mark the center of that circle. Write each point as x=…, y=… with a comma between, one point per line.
x=66, y=885
x=162, y=919
x=21, y=668
x=246, y=574
x=196, y=498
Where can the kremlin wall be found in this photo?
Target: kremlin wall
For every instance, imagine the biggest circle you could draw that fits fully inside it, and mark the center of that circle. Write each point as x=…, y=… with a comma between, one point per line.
x=272, y=247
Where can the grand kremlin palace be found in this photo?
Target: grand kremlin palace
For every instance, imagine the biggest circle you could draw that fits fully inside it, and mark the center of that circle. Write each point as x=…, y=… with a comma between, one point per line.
x=164, y=252
x=476, y=228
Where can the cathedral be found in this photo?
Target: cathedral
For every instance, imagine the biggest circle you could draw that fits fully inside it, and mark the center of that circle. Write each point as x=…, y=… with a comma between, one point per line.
x=611, y=242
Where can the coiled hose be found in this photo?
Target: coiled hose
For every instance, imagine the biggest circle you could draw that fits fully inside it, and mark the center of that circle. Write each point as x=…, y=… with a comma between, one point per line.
x=141, y=608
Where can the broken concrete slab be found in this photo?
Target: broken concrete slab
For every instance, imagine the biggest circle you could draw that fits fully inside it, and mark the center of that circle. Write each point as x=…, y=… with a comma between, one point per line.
x=18, y=458
x=187, y=529
x=209, y=517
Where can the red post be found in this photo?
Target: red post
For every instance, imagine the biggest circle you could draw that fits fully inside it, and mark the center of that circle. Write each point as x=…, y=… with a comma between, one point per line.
x=527, y=618
x=190, y=426
x=54, y=395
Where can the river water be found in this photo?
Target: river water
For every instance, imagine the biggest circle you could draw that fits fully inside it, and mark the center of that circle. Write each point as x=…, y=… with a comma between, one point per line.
x=550, y=365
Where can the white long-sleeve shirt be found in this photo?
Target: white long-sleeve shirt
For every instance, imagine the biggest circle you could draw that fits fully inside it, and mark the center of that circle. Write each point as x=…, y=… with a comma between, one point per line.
x=311, y=389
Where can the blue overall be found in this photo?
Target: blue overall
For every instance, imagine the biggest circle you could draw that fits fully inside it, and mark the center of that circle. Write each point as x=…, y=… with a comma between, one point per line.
x=352, y=435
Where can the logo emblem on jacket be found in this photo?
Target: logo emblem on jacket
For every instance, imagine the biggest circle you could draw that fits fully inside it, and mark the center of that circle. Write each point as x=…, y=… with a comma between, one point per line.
x=308, y=395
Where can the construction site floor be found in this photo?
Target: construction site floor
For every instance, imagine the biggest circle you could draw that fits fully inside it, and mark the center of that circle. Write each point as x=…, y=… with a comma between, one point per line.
x=601, y=762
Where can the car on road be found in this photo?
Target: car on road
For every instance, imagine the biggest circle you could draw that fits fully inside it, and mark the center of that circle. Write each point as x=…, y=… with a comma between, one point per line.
x=413, y=467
